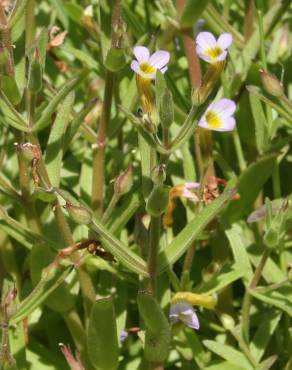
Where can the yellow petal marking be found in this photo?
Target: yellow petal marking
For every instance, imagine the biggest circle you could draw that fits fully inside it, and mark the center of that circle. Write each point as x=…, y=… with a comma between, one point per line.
x=147, y=68
x=213, y=120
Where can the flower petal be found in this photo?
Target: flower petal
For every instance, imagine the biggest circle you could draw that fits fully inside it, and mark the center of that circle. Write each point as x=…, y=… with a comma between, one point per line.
x=159, y=59
x=224, y=107
x=221, y=57
x=206, y=40
x=135, y=66
x=224, y=40
x=141, y=53
x=164, y=69
x=191, y=320
x=203, y=123
x=192, y=185
x=228, y=124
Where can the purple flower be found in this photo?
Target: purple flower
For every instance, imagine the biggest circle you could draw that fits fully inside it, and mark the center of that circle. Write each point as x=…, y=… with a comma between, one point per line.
x=210, y=49
x=184, y=312
x=123, y=335
x=219, y=116
x=146, y=65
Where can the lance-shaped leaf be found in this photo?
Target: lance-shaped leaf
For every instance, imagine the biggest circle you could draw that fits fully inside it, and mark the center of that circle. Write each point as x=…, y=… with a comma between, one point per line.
x=192, y=11
x=52, y=277
x=45, y=117
x=261, y=125
x=228, y=353
x=127, y=257
x=250, y=183
x=102, y=339
x=157, y=336
x=192, y=230
x=55, y=146
x=11, y=116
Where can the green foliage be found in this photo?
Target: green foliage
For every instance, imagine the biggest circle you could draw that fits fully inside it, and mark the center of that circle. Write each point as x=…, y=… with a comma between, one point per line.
x=89, y=249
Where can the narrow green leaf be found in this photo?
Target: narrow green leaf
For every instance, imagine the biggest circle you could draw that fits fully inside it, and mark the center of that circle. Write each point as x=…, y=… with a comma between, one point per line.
x=224, y=366
x=238, y=245
x=261, y=125
x=192, y=230
x=228, y=353
x=157, y=336
x=250, y=183
x=10, y=89
x=45, y=118
x=264, y=333
x=119, y=250
x=199, y=354
x=102, y=340
x=82, y=56
x=282, y=298
x=224, y=277
x=192, y=12
x=73, y=127
x=55, y=146
x=12, y=117
x=52, y=277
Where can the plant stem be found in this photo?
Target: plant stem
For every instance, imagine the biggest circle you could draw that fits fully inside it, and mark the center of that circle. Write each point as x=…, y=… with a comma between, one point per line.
x=99, y=152
x=247, y=299
x=110, y=208
x=78, y=333
x=29, y=24
x=154, y=238
x=238, y=150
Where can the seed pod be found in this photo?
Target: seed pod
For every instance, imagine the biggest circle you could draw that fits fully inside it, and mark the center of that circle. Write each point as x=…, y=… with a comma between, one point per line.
x=79, y=214
x=124, y=182
x=157, y=201
x=115, y=60
x=271, y=84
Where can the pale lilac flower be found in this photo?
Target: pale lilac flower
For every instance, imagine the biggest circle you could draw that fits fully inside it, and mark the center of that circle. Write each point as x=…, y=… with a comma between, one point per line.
x=210, y=49
x=146, y=65
x=184, y=312
x=187, y=194
x=123, y=335
x=219, y=116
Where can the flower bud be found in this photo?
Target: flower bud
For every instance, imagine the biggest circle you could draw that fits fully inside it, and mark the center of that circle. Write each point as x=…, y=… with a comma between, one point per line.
x=157, y=201
x=227, y=321
x=158, y=174
x=124, y=182
x=79, y=214
x=271, y=237
x=29, y=151
x=271, y=84
x=203, y=300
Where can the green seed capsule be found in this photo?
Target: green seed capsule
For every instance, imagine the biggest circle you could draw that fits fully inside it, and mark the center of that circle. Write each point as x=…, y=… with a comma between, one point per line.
x=166, y=109
x=115, y=60
x=157, y=201
x=35, y=77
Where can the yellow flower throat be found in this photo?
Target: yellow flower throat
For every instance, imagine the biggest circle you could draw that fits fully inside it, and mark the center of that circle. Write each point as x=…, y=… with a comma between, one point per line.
x=213, y=119
x=213, y=53
x=147, y=68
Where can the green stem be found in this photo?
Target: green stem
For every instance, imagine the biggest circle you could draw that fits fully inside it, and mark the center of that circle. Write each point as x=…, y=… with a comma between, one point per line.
x=247, y=299
x=78, y=333
x=154, y=238
x=243, y=346
x=185, y=129
x=99, y=152
x=29, y=24
x=110, y=208
x=238, y=150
